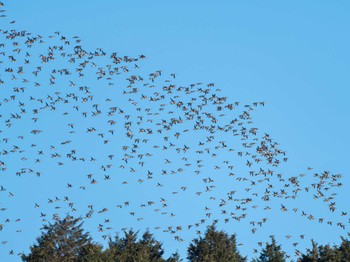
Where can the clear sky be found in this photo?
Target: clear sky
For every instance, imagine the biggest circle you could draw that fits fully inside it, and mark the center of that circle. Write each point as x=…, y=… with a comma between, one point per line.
x=292, y=55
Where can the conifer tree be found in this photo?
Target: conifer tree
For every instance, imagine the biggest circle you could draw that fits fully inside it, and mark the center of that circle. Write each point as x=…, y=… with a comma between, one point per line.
x=327, y=253
x=344, y=250
x=175, y=257
x=312, y=255
x=272, y=252
x=63, y=240
x=130, y=249
x=215, y=246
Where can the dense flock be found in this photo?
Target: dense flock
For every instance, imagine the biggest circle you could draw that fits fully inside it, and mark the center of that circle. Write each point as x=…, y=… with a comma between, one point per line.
x=97, y=135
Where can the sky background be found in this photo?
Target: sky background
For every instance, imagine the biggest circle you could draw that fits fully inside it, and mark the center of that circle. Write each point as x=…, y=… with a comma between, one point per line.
x=293, y=55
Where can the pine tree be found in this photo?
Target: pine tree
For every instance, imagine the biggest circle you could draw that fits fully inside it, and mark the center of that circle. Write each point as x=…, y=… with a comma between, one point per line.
x=327, y=253
x=64, y=240
x=344, y=250
x=150, y=247
x=175, y=257
x=129, y=249
x=215, y=246
x=272, y=252
x=311, y=255
x=91, y=253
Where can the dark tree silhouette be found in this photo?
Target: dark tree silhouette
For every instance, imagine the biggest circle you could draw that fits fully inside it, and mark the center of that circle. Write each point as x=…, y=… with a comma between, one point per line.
x=64, y=240
x=344, y=250
x=214, y=246
x=272, y=252
x=130, y=249
x=312, y=255
x=325, y=253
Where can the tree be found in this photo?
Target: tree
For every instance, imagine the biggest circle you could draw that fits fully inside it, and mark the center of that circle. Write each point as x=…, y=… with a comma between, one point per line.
x=344, y=250
x=91, y=252
x=325, y=253
x=175, y=257
x=64, y=240
x=215, y=246
x=312, y=255
x=272, y=252
x=129, y=249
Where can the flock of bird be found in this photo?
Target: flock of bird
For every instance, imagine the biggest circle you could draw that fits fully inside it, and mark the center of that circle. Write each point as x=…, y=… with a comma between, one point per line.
x=86, y=122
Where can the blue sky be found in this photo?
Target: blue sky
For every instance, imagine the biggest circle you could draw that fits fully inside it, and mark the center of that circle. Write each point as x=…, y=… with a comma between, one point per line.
x=291, y=55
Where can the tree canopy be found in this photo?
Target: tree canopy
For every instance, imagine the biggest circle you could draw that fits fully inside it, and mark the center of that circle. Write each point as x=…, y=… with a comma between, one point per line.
x=65, y=240
x=272, y=252
x=214, y=246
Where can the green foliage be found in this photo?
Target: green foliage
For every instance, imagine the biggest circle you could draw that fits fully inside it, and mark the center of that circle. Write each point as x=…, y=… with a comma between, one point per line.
x=327, y=253
x=344, y=250
x=64, y=240
x=272, y=252
x=174, y=258
x=311, y=255
x=215, y=246
x=129, y=249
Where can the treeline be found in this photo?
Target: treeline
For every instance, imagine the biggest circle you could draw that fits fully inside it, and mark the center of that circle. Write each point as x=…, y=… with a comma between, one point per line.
x=65, y=240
